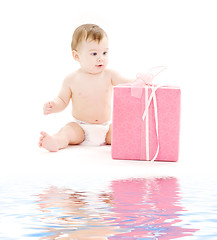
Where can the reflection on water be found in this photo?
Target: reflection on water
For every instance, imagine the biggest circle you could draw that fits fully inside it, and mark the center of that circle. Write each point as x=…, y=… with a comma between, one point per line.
x=75, y=215
x=134, y=209
x=147, y=208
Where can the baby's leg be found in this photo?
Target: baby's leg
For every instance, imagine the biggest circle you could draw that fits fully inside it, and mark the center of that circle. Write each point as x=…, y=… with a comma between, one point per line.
x=72, y=133
x=109, y=135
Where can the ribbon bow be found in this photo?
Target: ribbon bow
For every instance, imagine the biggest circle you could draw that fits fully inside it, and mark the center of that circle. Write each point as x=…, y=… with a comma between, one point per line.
x=149, y=76
x=145, y=80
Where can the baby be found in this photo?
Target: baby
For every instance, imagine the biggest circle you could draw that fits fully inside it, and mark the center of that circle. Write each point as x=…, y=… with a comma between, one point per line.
x=90, y=91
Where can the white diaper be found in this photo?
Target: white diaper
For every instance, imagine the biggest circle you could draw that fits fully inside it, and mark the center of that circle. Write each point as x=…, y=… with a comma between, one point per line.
x=95, y=134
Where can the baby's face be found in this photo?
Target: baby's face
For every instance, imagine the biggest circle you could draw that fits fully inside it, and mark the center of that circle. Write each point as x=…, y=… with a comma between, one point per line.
x=93, y=56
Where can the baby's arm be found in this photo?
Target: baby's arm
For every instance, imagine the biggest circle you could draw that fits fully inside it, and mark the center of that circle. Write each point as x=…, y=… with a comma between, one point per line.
x=61, y=101
x=118, y=79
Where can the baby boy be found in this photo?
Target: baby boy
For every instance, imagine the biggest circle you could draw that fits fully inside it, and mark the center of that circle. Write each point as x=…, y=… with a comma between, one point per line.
x=90, y=91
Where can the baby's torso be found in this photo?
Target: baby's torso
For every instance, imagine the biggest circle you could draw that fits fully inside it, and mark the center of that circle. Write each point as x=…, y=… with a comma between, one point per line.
x=91, y=97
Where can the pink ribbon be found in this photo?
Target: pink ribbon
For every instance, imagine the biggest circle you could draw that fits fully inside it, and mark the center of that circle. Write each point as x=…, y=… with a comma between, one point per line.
x=145, y=80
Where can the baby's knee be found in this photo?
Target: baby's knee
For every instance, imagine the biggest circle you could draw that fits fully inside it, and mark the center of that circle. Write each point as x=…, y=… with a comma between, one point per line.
x=76, y=132
x=73, y=125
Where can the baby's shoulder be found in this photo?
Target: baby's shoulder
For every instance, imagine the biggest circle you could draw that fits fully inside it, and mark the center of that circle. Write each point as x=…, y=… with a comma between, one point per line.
x=111, y=72
x=70, y=78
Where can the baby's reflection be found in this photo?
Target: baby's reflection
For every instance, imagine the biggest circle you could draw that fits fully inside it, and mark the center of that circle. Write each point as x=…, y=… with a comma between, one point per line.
x=75, y=215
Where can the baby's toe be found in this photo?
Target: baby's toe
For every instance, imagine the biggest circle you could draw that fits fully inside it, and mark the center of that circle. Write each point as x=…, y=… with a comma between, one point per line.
x=44, y=134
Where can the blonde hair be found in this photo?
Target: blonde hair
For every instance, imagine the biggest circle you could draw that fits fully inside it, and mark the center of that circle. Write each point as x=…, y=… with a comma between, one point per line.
x=85, y=32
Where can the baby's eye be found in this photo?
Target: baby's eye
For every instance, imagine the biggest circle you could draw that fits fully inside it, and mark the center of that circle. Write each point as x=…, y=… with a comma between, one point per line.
x=93, y=54
x=105, y=53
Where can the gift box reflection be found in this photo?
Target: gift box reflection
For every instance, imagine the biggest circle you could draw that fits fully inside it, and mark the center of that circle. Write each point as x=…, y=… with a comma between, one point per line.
x=148, y=208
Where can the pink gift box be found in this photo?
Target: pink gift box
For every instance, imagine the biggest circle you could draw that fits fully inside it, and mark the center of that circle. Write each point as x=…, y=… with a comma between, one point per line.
x=137, y=139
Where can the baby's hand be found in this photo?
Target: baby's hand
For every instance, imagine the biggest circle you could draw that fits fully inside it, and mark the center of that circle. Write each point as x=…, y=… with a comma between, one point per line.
x=48, y=107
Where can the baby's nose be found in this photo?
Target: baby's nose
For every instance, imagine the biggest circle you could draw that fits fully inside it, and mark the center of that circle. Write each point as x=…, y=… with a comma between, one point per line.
x=100, y=59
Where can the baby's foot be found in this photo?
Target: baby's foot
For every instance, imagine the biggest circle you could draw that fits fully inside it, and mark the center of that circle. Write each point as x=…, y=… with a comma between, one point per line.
x=48, y=142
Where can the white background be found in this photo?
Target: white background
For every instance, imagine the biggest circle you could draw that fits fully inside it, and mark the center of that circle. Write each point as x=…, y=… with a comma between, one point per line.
x=35, y=56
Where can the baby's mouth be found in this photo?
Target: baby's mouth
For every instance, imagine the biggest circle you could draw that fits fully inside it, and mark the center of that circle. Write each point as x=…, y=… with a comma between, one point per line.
x=99, y=65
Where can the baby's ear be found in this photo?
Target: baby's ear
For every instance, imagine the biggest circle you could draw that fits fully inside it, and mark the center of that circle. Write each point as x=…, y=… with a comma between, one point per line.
x=75, y=55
